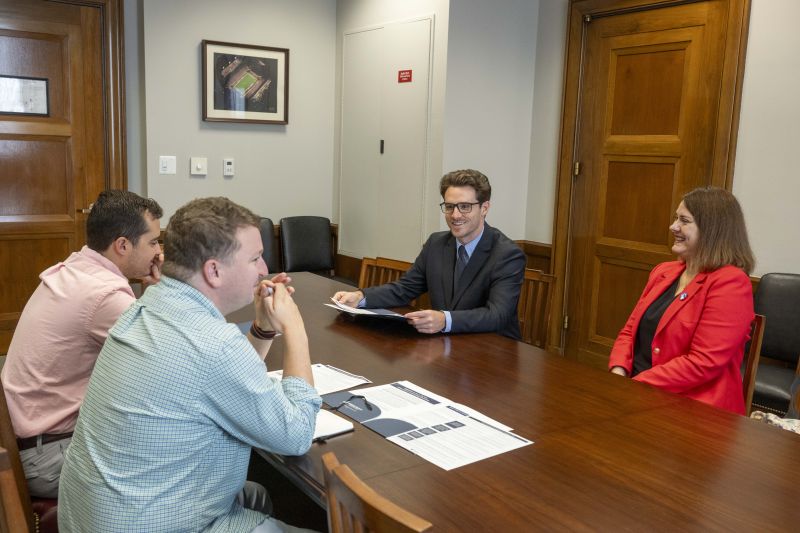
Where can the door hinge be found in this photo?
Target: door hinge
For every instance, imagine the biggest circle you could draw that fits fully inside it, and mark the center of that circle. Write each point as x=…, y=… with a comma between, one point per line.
x=577, y=168
x=566, y=321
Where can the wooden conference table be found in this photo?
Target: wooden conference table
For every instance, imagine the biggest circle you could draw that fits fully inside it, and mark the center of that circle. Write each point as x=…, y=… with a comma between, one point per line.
x=608, y=453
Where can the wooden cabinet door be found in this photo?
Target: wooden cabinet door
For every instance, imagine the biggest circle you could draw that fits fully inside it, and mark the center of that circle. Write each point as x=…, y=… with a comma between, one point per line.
x=52, y=167
x=648, y=130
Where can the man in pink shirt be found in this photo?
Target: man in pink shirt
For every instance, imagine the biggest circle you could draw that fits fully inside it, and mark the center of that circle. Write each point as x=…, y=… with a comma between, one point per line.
x=65, y=323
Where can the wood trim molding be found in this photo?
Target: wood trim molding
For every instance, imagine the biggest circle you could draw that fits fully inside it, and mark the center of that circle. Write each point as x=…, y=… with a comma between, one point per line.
x=538, y=255
x=348, y=267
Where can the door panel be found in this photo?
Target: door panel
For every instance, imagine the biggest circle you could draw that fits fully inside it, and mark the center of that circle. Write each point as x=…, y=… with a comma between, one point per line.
x=52, y=167
x=359, y=191
x=649, y=107
x=382, y=194
x=405, y=127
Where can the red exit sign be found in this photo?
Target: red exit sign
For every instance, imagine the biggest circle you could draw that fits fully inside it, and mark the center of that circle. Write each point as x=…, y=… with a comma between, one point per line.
x=404, y=76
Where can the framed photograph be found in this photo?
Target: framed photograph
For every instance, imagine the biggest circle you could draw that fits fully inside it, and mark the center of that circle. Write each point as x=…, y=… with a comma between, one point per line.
x=245, y=83
x=24, y=96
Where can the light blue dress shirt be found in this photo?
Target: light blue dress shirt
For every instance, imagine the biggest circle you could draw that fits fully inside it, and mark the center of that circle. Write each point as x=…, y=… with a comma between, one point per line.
x=176, y=401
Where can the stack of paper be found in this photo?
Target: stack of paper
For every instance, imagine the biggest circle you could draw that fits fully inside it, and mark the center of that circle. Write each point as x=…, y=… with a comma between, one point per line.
x=328, y=379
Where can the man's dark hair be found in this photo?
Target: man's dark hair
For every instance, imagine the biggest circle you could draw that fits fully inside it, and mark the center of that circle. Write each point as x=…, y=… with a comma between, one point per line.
x=467, y=178
x=203, y=229
x=118, y=214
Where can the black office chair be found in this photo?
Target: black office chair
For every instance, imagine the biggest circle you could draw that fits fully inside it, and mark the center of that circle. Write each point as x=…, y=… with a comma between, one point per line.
x=778, y=298
x=271, y=253
x=306, y=244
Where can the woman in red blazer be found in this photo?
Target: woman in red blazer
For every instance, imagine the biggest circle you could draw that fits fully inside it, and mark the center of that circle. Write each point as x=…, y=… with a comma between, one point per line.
x=687, y=332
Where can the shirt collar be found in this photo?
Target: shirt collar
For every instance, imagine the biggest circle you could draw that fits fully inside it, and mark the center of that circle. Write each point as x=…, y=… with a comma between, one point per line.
x=96, y=257
x=471, y=245
x=171, y=289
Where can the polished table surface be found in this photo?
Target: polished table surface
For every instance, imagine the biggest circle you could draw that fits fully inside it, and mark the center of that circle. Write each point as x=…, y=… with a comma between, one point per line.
x=608, y=453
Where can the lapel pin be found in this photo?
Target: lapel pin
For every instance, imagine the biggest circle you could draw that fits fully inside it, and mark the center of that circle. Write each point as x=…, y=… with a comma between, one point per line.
x=683, y=296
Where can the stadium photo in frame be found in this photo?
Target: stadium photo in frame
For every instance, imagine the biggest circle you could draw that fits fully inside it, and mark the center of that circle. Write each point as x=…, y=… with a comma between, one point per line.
x=245, y=83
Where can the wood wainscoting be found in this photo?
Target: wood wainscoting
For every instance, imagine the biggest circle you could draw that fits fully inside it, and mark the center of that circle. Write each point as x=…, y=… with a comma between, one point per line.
x=537, y=254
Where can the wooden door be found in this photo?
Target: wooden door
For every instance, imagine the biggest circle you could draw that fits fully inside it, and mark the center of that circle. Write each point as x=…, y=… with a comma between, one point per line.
x=384, y=140
x=52, y=167
x=654, y=118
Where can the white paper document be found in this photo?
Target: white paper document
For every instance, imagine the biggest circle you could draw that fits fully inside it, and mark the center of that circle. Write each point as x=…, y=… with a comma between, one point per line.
x=329, y=425
x=328, y=378
x=382, y=313
x=440, y=431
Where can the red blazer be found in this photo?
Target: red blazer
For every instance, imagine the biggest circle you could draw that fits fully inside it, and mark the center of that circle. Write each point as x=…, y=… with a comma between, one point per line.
x=699, y=342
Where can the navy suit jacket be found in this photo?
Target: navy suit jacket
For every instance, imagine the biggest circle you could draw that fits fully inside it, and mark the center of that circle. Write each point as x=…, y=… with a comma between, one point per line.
x=487, y=294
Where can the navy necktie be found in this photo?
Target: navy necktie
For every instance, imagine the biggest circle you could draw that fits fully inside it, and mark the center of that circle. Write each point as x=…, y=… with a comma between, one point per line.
x=461, y=262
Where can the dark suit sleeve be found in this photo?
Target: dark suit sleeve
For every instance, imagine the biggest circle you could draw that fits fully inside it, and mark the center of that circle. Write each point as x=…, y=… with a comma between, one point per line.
x=401, y=292
x=504, y=282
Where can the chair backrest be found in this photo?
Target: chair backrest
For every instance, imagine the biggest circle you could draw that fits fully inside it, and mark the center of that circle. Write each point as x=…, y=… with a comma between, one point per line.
x=306, y=244
x=271, y=252
x=12, y=513
x=384, y=270
x=778, y=298
x=533, y=309
x=751, y=361
x=8, y=441
x=354, y=506
x=381, y=270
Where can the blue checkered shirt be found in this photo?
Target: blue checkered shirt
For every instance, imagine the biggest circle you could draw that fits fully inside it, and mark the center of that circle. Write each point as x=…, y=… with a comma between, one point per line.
x=176, y=400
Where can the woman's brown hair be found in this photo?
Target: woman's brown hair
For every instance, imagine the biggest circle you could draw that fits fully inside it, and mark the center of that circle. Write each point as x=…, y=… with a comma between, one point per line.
x=723, y=234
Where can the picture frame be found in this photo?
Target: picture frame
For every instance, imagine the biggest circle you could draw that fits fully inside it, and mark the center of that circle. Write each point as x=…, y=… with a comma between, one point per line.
x=245, y=83
x=23, y=95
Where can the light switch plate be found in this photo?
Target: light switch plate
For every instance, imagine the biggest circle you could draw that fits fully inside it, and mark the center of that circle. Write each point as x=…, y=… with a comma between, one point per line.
x=167, y=164
x=227, y=167
x=198, y=166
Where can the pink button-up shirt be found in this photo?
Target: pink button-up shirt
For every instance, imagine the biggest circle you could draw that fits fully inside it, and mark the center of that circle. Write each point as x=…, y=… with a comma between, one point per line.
x=57, y=341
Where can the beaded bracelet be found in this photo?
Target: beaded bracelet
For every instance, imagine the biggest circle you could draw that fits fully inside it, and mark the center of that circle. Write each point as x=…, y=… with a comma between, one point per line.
x=262, y=334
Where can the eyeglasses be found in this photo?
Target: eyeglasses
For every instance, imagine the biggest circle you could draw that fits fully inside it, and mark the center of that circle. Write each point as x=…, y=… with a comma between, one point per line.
x=463, y=207
x=351, y=398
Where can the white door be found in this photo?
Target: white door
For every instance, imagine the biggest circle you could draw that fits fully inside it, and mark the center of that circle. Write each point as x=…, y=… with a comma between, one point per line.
x=385, y=95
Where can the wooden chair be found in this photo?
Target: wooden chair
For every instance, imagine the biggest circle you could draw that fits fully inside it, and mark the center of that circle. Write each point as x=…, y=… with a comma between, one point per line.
x=354, y=506
x=751, y=361
x=12, y=513
x=794, y=404
x=383, y=270
x=39, y=517
x=533, y=310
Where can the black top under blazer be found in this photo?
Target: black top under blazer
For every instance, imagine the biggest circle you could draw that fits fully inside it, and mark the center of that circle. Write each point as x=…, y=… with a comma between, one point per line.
x=488, y=291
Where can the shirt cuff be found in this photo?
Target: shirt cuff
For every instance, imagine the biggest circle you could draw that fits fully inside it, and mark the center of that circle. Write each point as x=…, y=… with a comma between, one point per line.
x=448, y=322
x=362, y=303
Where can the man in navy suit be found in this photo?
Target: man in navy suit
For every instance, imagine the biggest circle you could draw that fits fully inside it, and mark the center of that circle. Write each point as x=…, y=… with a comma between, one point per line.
x=473, y=273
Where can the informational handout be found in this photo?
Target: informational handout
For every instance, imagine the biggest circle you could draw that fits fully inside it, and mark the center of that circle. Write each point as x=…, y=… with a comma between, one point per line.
x=447, y=434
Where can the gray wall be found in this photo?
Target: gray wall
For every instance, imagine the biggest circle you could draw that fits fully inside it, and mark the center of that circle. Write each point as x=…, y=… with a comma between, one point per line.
x=280, y=170
x=294, y=169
